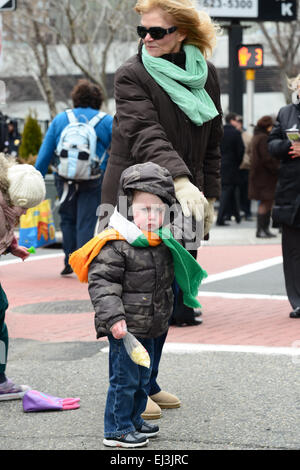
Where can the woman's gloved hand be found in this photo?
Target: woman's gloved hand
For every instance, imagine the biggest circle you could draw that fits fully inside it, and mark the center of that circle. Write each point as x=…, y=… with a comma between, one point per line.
x=192, y=201
x=209, y=215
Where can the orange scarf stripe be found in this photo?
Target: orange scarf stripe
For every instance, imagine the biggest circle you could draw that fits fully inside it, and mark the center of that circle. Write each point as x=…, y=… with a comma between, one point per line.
x=153, y=238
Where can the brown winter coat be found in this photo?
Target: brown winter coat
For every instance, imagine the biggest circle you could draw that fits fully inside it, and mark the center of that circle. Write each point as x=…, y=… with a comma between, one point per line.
x=148, y=126
x=134, y=283
x=264, y=168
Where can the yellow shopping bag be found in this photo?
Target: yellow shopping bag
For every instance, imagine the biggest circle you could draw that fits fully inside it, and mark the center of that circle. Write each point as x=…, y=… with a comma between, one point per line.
x=37, y=226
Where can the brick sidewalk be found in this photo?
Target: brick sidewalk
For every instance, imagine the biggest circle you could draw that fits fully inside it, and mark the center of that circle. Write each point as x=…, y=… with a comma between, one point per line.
x=225, y=321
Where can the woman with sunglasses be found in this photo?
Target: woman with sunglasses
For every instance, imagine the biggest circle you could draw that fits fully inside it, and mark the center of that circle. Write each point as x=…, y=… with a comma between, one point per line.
x=168, y=111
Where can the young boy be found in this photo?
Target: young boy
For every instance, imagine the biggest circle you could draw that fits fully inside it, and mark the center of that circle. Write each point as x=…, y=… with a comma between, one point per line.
x=130, y=285
x=21, y=187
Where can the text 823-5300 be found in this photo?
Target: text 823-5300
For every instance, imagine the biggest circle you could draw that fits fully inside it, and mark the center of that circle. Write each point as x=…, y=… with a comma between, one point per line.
x=230, y=8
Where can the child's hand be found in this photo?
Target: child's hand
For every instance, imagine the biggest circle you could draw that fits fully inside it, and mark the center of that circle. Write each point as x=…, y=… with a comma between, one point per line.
x=20, y=252
x=119, y=329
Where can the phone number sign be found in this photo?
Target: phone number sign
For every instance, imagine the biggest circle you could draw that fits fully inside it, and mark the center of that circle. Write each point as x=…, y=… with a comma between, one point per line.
x=251, y=10
x=231, y=8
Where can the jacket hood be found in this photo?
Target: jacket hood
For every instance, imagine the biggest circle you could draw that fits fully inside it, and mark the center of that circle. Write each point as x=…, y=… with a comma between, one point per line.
x=4, y=184
x=148, y=177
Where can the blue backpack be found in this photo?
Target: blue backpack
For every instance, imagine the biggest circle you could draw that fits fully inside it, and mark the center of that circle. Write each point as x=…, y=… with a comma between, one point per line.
x=76, y=149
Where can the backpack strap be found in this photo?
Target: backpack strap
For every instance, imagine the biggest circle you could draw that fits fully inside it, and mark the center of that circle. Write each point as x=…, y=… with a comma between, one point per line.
x=71, y=115
x=99, y=116
x=93, y=122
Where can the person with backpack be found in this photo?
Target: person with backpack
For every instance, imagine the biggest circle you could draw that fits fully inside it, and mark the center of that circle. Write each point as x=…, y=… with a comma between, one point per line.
x=77, y=144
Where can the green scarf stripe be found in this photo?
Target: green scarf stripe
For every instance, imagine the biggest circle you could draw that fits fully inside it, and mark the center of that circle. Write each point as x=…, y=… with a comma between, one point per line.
x=196, y=102
x=188, y=272
x=141, y=241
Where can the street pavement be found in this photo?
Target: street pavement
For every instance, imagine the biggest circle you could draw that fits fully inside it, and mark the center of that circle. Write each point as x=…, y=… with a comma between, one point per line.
x=237, y=373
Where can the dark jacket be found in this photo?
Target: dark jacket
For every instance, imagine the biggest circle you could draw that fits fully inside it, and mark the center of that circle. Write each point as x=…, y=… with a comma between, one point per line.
x=287, y=195
x=131, y=283
x=148, y=126
x=232, y=152
x=263, y=169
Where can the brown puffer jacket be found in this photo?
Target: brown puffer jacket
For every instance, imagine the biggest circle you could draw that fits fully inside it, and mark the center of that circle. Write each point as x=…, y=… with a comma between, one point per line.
x=149, y=126
x=131, y=283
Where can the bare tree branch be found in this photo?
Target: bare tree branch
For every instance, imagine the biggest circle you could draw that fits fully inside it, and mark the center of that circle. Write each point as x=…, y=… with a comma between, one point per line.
x=277, y=54
x=84, y=30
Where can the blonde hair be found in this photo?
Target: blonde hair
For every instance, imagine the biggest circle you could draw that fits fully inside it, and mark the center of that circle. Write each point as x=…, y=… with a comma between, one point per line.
x=294, y=83
x=197, y=25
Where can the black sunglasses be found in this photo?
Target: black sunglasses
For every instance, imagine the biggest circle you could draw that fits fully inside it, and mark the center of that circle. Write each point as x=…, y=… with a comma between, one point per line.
x=155, y=31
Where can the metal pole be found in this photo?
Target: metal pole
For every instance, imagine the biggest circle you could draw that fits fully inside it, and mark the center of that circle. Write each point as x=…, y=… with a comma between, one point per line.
x=250, y=82
x=235, y=75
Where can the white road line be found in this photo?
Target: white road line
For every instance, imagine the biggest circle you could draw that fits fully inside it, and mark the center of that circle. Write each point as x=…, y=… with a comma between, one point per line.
x=246, y=269
x=192, y=348
x=31, y=258
x=232, y=295
x=197, y=348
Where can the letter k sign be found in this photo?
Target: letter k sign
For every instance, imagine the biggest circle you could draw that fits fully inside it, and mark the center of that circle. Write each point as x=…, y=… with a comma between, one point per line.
x=286, y=9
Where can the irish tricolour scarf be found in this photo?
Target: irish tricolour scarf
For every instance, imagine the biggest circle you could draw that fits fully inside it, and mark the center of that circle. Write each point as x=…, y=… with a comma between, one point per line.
x=188, y=272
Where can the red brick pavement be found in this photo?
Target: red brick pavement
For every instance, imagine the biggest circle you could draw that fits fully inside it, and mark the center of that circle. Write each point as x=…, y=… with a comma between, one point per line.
x=225, y=321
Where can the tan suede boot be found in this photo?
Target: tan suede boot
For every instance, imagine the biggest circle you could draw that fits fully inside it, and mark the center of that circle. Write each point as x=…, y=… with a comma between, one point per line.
x=166, y=400
x=152, y=410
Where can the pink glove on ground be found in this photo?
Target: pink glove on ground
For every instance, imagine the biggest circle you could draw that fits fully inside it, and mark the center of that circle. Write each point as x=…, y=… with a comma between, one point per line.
x=33, y=400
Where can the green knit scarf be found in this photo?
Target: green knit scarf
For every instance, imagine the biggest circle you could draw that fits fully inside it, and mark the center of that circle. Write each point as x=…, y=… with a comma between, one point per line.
x=195, y=102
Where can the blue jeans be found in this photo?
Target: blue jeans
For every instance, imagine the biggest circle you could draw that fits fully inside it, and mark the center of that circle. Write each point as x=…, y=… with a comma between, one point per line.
x=153, y=387
x=78, y=213
x=126, y=396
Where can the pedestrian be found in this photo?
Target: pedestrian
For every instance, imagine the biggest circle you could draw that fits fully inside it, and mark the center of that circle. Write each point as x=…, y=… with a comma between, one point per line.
x=232, y=151
x=245, y=202
x=124, y=263
x=21, y=187
x=286, y=210
x=263, y=176
x=13, y=139
x=79, y=198
x=168, y=111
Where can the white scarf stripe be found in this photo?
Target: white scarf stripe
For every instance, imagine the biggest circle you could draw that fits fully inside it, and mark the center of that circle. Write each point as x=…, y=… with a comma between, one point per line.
x=126, y=228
